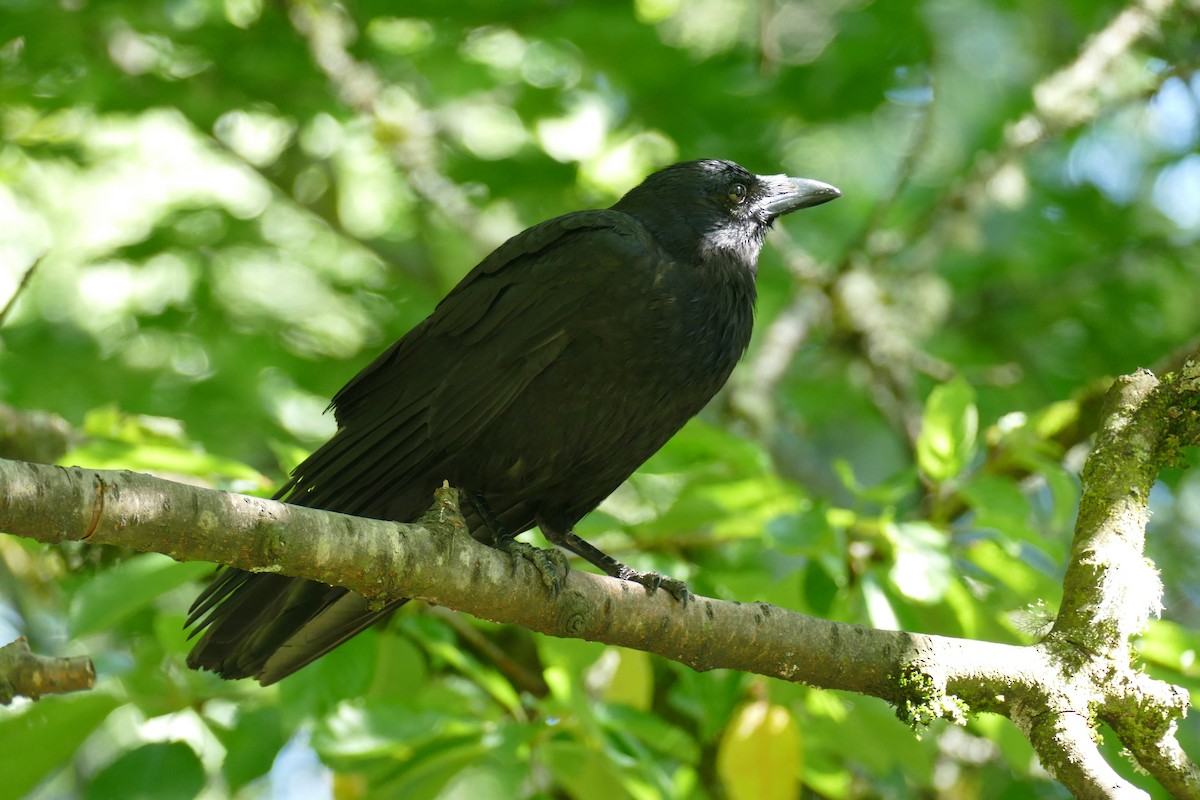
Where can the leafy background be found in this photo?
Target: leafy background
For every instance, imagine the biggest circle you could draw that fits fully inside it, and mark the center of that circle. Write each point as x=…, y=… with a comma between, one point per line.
x=232, y=206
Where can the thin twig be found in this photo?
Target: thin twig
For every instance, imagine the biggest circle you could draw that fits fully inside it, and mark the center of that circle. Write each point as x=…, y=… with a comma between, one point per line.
x=25, y=279
x=361, y=88
x=517, y=674
x=1062, y=101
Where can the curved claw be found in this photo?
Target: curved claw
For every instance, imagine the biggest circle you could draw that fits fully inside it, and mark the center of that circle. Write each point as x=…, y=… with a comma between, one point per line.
x=653, y=581
x=551, y=564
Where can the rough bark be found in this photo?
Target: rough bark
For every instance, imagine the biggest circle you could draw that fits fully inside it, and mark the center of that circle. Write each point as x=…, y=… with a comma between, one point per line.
x=1056, y=691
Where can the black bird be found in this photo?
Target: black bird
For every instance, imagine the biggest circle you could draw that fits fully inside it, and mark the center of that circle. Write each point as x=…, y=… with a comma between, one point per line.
x=539, y=384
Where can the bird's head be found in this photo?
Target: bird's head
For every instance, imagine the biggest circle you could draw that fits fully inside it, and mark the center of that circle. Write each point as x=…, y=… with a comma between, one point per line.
x=705, y=210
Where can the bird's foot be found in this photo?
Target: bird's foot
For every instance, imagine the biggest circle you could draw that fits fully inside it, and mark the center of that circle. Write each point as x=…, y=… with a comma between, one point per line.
x=551, y=564
x=654, y=581
x=563, y=536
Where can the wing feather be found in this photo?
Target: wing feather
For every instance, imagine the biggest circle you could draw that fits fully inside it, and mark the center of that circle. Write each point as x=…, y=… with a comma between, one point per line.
x=414, y=410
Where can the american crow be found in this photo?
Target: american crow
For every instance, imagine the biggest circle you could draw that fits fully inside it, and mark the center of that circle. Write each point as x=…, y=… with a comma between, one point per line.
x=537, y=386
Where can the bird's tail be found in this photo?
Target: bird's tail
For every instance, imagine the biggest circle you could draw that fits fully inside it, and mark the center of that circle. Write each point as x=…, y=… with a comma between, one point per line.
x=264, y=626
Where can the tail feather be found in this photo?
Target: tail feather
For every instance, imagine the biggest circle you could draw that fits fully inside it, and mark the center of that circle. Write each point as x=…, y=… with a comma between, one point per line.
x=394, y=447
x=268, y=626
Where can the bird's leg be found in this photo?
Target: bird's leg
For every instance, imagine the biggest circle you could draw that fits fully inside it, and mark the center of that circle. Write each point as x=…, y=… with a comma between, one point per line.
x=653, y=581
x=551, y=564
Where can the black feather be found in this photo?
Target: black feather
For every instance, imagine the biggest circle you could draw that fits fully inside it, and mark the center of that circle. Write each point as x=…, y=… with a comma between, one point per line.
x=557, y=366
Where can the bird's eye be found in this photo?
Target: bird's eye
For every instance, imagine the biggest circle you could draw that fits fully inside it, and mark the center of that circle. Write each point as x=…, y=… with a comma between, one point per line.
x=737, y=194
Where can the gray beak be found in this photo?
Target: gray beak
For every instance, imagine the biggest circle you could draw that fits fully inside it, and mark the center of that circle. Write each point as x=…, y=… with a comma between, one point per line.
x=786, y=194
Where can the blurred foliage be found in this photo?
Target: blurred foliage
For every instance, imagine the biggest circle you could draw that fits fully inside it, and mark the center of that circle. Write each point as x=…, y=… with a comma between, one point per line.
x=224, y=208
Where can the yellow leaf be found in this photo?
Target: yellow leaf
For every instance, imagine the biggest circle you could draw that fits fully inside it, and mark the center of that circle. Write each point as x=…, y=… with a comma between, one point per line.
x=761, y=755
x=630, y=679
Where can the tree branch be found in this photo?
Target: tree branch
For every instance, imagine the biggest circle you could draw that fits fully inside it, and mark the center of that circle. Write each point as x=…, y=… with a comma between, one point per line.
x=26, y=674
x=853, y=296
x=435, y=560
x=360, y=87
x=34, y=435
x=1110, y=590
x=1056, y=691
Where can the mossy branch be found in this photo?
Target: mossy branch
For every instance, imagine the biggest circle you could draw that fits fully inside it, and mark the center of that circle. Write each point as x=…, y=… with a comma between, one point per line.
x=1056, y=691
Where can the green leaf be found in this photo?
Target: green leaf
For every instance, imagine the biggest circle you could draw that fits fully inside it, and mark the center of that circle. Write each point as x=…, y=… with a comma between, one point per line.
x=113, y=595
x=949, y=428
x=1006, y=566
x=344, y=673
x=922, y=569
x=490, y=778
x=999, y=503
x=865, y=732
x=820, y=589
x=708, y=698
x=251, y=745
x=700, y=446
x=458, y=762
x=358, y=730
x=482, y=674
x=151, y=444
x=400, y=665
x=820, y=536
x=45, y=736
x=888, y=493
x=651, y=731
x=156, y=771
x=877, y=605
x=1173, y=646
x=585, y=773
x=1054, y=418
x=110, y=454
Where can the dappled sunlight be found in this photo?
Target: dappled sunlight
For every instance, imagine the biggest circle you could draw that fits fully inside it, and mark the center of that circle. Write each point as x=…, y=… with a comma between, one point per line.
x=268, y=290
x=222, y=211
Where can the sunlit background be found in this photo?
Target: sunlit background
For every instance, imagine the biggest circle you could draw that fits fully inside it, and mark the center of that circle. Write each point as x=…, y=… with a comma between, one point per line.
x=213, y=213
